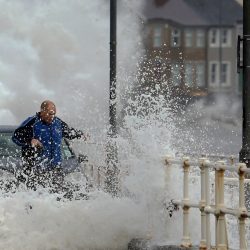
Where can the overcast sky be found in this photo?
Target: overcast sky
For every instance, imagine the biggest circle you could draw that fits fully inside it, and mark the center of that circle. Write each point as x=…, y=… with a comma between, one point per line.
x=59, y=50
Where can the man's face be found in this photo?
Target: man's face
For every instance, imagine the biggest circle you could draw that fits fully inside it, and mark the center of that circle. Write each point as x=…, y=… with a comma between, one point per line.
x=47, y=114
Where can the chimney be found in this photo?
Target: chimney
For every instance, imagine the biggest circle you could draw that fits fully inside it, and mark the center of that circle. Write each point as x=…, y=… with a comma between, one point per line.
x=159, y=3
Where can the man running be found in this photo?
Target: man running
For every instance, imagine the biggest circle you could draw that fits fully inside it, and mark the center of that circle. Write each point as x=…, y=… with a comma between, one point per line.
x=40, y=137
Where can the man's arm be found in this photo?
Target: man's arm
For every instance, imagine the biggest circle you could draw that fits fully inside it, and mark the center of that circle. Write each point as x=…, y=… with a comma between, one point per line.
x=71, y=133
x=23, y=135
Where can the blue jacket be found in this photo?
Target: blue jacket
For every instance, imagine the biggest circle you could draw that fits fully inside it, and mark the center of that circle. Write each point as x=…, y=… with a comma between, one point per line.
x=50, y=135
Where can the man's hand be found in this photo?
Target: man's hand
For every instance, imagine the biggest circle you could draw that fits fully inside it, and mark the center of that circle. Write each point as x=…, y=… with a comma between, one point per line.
x=36, y=143
x=81, y=135
x=85, y=136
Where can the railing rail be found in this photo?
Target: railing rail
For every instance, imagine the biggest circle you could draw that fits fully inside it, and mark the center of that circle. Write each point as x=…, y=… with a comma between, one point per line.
x=219, y=210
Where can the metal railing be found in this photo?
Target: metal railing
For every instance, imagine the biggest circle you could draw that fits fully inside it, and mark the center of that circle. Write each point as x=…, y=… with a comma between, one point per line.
x=219, y=210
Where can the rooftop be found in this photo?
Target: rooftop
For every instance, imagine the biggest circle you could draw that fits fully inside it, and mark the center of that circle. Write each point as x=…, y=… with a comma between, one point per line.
x=195, y=12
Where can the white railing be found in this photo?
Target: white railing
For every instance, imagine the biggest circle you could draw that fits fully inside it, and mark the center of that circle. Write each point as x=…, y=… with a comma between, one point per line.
x=206, y=208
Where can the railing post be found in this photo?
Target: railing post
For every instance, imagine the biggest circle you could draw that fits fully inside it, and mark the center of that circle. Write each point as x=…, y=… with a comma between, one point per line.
x=98, y=178
x=203, y=242
x=216, y=195
x=207, y=185
x=219, y=210
x=186, y=241
x=242, y=208
x=221, y=232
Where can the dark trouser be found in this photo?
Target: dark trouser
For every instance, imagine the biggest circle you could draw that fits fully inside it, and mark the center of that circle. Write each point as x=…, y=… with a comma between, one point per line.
x=34, y=176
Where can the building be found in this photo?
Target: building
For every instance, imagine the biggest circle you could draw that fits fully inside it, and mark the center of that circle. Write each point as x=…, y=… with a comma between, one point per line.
x=191, y=45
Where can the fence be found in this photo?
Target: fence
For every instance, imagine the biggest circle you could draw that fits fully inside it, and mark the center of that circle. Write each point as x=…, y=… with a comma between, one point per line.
x=219, y=210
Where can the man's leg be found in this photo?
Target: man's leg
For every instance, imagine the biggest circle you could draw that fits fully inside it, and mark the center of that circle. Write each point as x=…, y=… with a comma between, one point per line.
x=57, y=178
x=25, y=174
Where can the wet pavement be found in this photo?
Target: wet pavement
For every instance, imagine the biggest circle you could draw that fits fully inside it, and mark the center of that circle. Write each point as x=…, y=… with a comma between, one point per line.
x=142, y=244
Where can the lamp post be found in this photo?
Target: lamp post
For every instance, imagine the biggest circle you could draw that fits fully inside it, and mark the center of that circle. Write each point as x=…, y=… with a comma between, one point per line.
x=112, y=87
x=112, y=181
x=245, y=151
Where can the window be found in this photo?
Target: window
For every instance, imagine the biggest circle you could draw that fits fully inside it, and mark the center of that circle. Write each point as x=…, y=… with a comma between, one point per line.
x=226, y=37
x=225, y=71
x=200, y=74
x=66, y=151
x=200, y=38
x=157, y=36
x=214, y=73
x=220, y=76
x=175, y=74
x=188, y=38
x=175, y=38
x=217, y=36
x=214, y=38
x=189, y=74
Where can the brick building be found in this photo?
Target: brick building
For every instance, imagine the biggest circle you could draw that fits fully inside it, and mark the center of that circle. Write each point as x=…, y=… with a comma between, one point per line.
x=191, y=45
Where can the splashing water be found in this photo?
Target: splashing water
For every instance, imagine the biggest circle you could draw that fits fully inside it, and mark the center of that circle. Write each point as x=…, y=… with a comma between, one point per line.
x=58, y=50
x=51, y=48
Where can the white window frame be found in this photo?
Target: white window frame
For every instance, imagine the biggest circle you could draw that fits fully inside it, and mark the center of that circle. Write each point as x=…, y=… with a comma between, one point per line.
x=175, y=34
x=228, y=37
x=157, y=36
x=176, y=74
x=189, y=74
x=197, y=74
x=218, y=77
x=216, y=82
x=228, y=82
x=200, y=38
x=214, y=35
x=188, y=38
